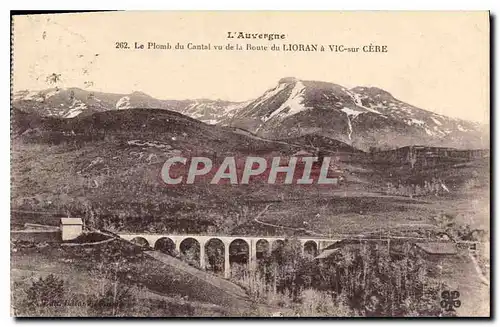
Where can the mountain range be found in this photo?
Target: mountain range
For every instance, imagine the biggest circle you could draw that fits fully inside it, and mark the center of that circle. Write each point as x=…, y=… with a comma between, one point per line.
x=363, y=117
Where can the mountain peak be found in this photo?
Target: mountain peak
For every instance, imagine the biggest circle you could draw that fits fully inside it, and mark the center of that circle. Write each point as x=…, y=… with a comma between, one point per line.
x=141, y=94
x=286, y=80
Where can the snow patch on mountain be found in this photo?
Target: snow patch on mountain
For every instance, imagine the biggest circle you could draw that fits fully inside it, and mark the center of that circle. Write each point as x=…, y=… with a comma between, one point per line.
x=212, y=112
x=76, y=108
x=123, y=103
x=192, y=106
x=349, y=125
x=437, y=122
x=270, y=93
x=356, y=97
x=414, y=121
x=293, y=105
x=73, y=113
x=33, y=96
x=22, y=95
x=39, y=96
x=210, y=121
x=350, y=112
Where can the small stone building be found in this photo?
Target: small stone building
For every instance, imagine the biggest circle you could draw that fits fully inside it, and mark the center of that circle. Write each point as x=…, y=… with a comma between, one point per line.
x=71, y=228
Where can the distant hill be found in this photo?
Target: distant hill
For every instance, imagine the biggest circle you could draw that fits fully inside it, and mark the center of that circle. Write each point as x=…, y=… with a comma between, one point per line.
x=72, y=102
x=140, y=128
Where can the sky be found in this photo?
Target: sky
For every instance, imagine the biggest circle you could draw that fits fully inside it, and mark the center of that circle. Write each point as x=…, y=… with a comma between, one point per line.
x=435, y=61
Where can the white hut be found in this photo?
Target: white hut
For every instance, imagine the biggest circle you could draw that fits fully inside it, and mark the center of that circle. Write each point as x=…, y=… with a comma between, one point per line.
x=71, y=228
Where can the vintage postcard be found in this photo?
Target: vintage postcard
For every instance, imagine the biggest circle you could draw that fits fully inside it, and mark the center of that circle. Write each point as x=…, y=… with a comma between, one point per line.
x=250, y=164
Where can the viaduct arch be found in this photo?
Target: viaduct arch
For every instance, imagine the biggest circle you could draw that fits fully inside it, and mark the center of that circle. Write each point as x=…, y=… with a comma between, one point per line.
x=256, y=245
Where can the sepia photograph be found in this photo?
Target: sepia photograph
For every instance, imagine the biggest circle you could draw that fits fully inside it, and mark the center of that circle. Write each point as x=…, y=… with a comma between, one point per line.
x=280, y=164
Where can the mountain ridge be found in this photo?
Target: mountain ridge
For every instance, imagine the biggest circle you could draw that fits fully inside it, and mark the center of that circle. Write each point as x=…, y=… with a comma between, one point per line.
x=364, y=117
x=361, y=116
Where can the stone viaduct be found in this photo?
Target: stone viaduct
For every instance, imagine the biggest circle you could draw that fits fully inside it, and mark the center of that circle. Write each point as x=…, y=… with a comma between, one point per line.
x=254, y=243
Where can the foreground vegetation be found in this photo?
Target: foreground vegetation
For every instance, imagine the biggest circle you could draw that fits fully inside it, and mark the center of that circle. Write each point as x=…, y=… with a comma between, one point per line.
x=359, y=279
x=110, y=279
x=362, y=279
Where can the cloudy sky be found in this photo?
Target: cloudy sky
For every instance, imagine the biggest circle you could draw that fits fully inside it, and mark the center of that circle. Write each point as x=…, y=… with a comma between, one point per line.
x=436, y=61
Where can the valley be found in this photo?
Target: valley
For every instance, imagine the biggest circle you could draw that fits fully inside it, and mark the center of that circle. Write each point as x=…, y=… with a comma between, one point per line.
x=401, y=178
x=76, y=165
